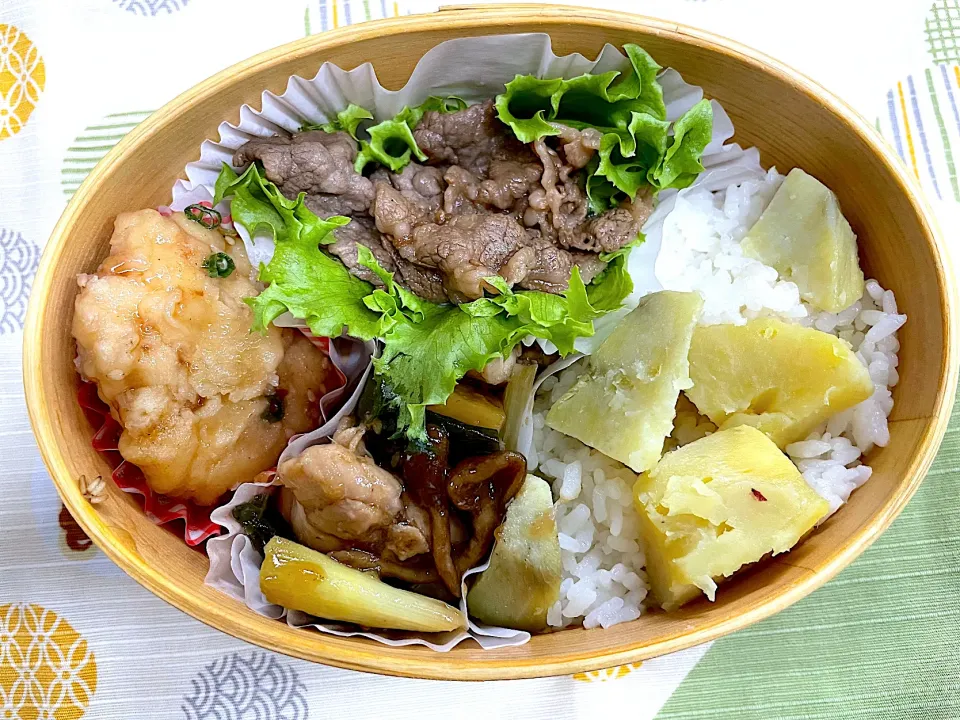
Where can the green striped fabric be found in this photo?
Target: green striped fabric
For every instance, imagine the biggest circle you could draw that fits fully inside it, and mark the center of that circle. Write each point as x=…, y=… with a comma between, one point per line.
x=942, y=31
x=91, y=145
x=944, y=135
x=882, y=640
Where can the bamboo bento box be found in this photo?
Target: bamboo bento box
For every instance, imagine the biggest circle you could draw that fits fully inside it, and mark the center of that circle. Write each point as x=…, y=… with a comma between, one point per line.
x=793, y=122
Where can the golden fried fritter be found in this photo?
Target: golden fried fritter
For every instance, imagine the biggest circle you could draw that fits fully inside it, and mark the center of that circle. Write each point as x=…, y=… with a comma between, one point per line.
x=205, y=404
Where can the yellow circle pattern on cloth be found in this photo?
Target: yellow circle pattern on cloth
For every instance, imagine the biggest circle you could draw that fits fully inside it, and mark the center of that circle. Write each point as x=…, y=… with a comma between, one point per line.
x=22, y=78
x=47, y=669
x=614, y=673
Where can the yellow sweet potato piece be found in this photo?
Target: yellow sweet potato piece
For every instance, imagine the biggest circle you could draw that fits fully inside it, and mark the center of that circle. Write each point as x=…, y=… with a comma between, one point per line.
x=523, y=580
x=624, y=403
x=781, y=378
x=715, y=505
x=803, y=234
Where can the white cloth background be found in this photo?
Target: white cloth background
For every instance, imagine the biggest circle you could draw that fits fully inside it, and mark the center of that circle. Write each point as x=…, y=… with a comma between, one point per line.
x=110, y=57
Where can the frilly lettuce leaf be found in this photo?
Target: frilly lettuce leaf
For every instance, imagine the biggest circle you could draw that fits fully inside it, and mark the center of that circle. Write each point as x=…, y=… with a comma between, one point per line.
x=561, y=319
x=604, y=100
x=317, y=289
x=681, y=162
x=526, y=105
x=258, y=204
x=391, y=142
x=609, y=100
x=627, y=158
x=422, y=361
x=642, y=84
x=348, y=120
x=609, y=289
x=443, y=105
x=602, y=195
x=304, y=280
x=393, y=300
x=629, y=110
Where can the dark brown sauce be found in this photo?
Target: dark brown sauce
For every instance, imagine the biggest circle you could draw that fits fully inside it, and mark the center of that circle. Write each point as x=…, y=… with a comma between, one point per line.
x=76, y=538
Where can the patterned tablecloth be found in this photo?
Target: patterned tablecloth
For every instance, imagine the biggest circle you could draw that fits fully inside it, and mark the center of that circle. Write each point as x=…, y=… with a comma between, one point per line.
x=78, y=638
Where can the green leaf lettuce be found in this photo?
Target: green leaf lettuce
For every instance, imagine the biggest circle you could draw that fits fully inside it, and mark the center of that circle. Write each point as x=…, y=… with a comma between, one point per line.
x=259, y=205
x=391, y=142
x=628, y=108
x=681, y=161
x=348, y=120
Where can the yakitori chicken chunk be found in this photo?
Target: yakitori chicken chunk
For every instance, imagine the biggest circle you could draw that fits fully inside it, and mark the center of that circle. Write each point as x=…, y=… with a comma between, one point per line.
x=345, y=500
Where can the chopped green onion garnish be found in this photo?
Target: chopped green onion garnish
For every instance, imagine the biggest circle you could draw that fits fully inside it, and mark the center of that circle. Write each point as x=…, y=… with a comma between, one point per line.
x=219, y=265
x=206, y=216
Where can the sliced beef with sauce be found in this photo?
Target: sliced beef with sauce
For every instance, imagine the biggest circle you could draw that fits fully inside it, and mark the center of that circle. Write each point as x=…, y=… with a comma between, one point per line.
x=547, y=267
x=314, y=162
x=559, y=209
x=589, y=265
x=579, y=146
x=605, y=233
x=467, y=250
x=424, y=282
x=362, y=231
x=507, y=187
x=394, y=214
x=483, y=205
x=471, y=138
x=421, y=184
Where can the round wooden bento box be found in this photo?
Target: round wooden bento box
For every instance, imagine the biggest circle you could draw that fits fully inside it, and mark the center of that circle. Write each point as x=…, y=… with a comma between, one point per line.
x=793, y=121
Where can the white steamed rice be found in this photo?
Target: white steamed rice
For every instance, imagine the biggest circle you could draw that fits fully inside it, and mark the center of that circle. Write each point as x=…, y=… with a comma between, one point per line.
x=603, y=578
x=830, y=457
x=701, y=251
